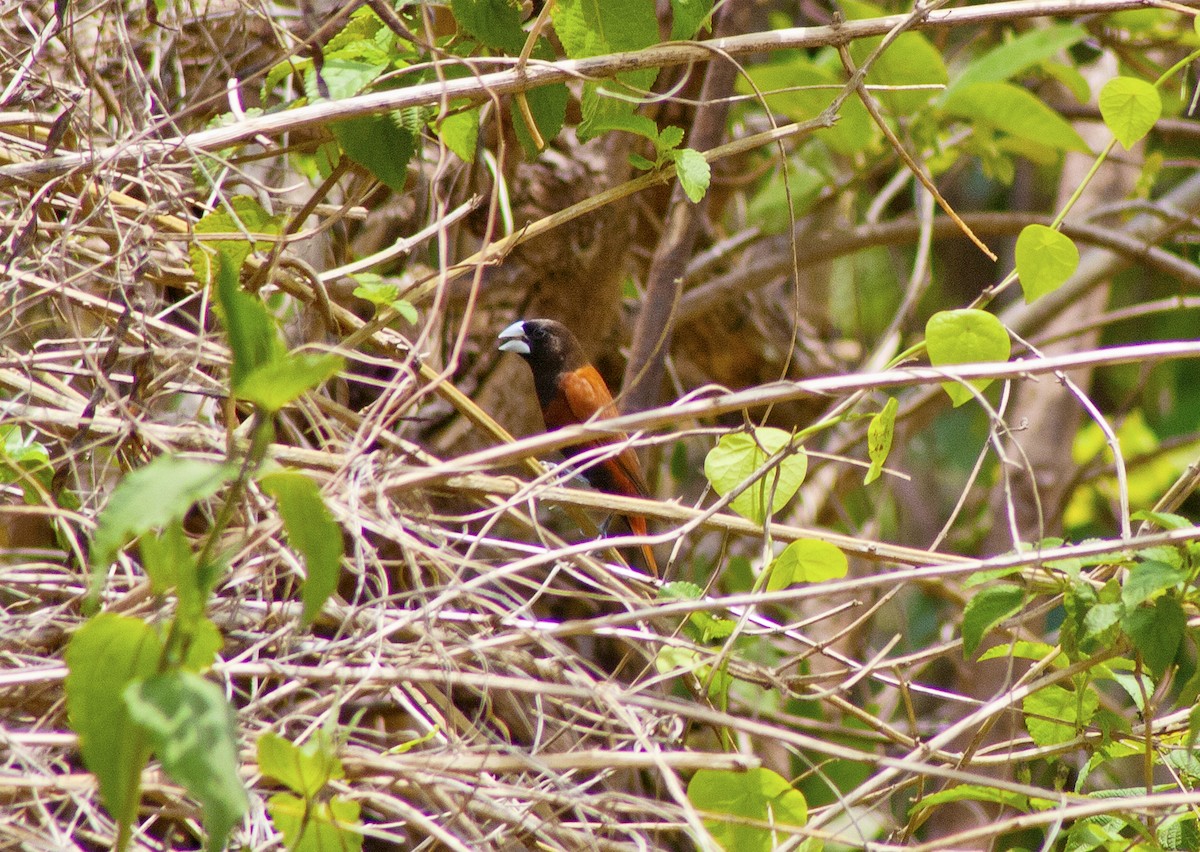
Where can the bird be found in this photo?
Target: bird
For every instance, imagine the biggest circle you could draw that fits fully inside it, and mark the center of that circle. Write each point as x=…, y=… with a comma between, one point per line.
x=570, y=390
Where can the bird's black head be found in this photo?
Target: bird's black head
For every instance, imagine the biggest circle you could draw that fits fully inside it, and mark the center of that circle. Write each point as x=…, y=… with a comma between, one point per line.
x=548, y=347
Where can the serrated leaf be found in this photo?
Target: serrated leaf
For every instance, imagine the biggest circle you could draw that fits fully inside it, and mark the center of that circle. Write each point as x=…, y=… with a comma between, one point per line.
x=962, y=337
x=194, y=734
x=1055, y=715
x=1046, y=259
x=879, y=438
x=687, y=16
x=987, y=609
x=379, y=145
x=496, y=23
x=740, y=456
x=1130, y=107
x=693, y=172
x=807, y=560
x=1015, y=111
x=1147, y=579
x=312, y=531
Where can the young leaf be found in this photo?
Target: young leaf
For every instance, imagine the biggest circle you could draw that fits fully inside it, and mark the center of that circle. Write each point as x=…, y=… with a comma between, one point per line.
x=879, y=438
x=1147, y=579
x=252, y=334
x=987, y=609
x=807, y=560
x=757, y=794
x=962, y=337
x=305, y=769
x=274, y=385
x=693, y=172
x=243, y=215
x=312, y=531
x=1046, y=258
x=195, y=738
x=103, y=658
x=1130, y=107
x=739, y=456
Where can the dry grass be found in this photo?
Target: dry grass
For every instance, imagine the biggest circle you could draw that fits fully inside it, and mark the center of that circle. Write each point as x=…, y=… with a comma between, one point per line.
x=479, y=620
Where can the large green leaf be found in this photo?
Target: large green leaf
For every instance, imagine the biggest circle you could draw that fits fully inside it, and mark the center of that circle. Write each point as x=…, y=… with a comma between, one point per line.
x=757, y=794
x=1015, y=111
x=963, y=337
x=103, y=657
x=312, y=531
x=742, y=455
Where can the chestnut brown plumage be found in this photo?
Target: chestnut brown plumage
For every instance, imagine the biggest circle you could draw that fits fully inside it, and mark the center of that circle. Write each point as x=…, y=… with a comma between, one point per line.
x=570, y=391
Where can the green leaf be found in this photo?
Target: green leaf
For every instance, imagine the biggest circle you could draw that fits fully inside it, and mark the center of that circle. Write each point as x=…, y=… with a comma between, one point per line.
x=975, y=793
x=687, y=16
x=316, y=826
x=1147, y=579
x=740, y=456
x=910, y=60
x=879, y=438
x=194, y=734
x=25, y=462
x=312, y=531
x=495, y=23
x=692, y=170
x=987, y=609
x=1165, y=520
x=344, y=76
x=757, y=794
x=807, y=560
x=685, y=661
x=803, y=90
x=243, y=214
x=305, y=769
x=962, y=337
x=587, y=28
x=1015, y=111
x=1021, y=53
x=460, y=133
x=669, y=138
x=151, y=497
x=378, y=144
x=1046, y=258
x=1055, y=715
x=252, y=335
x=548, y=105
x=274, y=385
x=1157, y=632
x=1130, y=107
x=103, y=657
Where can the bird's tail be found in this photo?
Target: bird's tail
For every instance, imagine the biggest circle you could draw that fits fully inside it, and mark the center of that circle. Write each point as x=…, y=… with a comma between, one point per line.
x=637, y=524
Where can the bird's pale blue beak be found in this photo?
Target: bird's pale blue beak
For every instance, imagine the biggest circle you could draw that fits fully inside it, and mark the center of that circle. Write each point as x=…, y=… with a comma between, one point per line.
x=512, y=339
